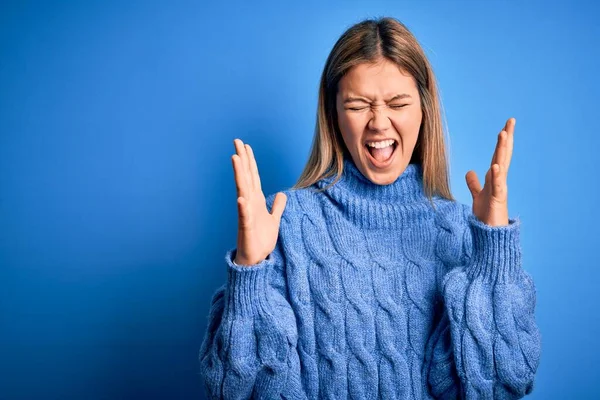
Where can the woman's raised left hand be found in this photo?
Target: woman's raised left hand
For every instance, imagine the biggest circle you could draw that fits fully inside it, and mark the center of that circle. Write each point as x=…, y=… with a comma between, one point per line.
x=490, y=204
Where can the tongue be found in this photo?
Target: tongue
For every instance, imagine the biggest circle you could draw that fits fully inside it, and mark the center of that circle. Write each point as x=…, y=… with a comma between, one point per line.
x=381, y=155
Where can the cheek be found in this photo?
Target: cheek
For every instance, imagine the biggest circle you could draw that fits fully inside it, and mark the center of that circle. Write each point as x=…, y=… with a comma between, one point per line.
x=408, y=123
x=351, y=129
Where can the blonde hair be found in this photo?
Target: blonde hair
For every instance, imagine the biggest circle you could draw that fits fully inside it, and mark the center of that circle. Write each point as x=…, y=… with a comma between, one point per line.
x=367, y=42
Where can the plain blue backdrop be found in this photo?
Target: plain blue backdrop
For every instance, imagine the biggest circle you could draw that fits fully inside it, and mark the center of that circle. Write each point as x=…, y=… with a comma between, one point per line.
x=117, y=198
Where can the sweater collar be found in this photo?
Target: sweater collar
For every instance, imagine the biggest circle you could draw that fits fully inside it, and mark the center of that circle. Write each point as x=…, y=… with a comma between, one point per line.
x=370, y=205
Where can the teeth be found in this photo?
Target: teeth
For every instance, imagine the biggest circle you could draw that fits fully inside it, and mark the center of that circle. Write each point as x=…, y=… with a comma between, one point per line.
x=382, y=144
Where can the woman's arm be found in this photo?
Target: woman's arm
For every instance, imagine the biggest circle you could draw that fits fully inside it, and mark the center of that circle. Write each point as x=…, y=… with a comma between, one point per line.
x=249, y=349
x=487, y=341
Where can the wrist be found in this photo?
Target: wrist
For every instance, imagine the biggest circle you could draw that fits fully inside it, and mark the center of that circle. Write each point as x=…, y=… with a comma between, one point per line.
x=246, y=262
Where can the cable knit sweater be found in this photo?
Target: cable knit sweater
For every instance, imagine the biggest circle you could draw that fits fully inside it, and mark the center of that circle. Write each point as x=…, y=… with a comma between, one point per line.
x=373, y=292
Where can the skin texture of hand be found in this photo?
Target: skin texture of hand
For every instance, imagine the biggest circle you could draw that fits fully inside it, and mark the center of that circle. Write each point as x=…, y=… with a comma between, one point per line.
x=490, y=204
x=258, y=228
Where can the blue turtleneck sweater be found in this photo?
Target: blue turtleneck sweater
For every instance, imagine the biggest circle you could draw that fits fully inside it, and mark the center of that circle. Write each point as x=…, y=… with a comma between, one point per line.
x=372, y=292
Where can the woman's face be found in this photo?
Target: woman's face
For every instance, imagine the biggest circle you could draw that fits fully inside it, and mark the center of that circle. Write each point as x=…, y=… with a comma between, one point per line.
x=377, y=104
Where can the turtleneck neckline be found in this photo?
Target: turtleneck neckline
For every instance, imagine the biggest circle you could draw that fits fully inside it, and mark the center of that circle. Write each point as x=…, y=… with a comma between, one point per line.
x=370, y=205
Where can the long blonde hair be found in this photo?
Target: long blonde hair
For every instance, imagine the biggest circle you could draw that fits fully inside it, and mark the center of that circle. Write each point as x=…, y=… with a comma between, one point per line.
x=367, y=42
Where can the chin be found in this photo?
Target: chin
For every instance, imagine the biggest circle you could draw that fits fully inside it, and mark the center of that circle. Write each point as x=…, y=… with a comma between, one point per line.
x=381, y=177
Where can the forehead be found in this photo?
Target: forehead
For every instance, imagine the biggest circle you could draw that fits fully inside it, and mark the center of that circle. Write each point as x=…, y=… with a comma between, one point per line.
x=382, y=79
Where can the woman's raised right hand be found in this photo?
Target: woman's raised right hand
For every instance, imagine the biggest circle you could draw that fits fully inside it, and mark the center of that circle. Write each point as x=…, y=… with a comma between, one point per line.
x=258, y=228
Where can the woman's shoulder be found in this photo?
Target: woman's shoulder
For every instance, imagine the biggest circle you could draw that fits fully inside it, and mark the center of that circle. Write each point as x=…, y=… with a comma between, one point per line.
x=453, y=233
x=450, y=212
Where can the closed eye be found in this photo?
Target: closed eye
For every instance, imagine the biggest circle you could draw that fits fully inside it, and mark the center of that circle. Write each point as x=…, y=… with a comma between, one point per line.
x=395, y=106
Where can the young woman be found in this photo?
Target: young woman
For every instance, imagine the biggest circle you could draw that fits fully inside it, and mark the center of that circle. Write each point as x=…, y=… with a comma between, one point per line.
x=367, y=280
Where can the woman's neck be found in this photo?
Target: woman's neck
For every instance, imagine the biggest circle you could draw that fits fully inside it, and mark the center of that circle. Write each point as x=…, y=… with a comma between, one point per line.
x=370, y=205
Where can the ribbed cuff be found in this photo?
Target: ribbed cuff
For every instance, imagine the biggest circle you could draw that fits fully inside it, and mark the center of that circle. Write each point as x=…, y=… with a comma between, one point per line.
x=247, y=285
x=496, y=255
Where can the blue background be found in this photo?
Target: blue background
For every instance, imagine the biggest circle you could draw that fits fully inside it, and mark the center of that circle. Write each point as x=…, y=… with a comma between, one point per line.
x=117, y=199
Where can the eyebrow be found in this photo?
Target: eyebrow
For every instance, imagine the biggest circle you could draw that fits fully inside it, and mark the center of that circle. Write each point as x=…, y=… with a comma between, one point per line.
x=396, y=97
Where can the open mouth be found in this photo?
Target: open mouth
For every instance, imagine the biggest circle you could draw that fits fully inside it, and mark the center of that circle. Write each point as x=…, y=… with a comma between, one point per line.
x=381, y=157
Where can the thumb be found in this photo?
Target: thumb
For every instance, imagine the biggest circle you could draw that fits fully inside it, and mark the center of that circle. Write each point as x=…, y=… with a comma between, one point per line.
x=473, y=183
x=279, y=205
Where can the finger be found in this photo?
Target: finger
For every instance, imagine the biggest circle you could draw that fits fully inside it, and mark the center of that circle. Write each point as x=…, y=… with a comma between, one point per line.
x=495, y=156
x=498, y=183
x=501, y=149
x=249, y=165
x=254, y=169
x=244, y=170
x=509, y=143
x=498, y=150
x=279, y=205
x=473, y=183
x=243, y=211
x=241, y=184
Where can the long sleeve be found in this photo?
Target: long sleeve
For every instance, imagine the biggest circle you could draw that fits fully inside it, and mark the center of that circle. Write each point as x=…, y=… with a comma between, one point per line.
x=487, y=344
x=249, y=349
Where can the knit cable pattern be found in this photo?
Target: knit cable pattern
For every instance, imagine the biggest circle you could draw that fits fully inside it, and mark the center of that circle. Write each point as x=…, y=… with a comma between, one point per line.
x=373, y=293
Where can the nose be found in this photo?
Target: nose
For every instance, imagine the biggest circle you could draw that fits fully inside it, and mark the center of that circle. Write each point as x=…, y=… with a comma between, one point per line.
x=379, y=122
